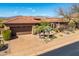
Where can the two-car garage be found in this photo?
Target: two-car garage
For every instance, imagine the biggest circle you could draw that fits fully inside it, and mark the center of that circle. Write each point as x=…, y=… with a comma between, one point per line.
x=21, y=29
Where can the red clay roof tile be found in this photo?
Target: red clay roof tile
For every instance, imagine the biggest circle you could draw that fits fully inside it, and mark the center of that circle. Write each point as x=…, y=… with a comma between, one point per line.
x=21, y=19
x=29, y=19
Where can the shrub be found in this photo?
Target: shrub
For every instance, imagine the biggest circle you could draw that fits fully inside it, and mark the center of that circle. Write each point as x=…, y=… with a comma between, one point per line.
x=61, y=28
x=71, y=25
x=1, y=25
x=1, y=43
x=6, y=35
x=56, y=29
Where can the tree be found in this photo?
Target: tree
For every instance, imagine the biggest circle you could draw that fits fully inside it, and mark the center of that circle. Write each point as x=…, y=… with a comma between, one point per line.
x=75, y=8
x=67, y=15
x=75, y=11
x=43, y=27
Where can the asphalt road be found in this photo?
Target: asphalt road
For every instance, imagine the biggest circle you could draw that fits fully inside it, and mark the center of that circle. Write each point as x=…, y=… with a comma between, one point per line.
x=69, y=50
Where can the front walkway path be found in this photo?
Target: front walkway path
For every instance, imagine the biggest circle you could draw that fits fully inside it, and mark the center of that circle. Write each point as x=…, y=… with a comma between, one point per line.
x=28, y=45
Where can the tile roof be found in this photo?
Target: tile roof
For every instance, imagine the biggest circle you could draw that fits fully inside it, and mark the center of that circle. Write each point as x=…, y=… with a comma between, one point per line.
x=54, y=20
x=74, y=15
x=30, y=19
x=21, y=19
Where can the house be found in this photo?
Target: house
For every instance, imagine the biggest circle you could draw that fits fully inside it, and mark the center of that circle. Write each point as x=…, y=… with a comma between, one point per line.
x=24, y=24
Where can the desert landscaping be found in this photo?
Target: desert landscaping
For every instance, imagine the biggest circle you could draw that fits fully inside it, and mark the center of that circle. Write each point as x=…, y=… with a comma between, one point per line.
x=35, y=46
x=32, y=35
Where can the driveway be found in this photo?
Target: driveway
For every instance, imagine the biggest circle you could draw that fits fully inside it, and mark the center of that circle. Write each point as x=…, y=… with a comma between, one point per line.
x=28, y=45
x=25, y=44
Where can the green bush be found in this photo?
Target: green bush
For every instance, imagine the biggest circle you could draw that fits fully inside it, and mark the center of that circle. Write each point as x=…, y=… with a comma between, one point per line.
x=1, y=43
x=6, y=35
x=1, y=25
x=72, y=25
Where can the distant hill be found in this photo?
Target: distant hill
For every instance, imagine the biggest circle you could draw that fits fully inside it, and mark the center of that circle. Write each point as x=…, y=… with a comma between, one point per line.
x=21, y=15
x=6, y=18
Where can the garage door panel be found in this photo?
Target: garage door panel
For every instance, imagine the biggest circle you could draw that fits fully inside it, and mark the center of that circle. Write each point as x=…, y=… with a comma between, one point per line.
x=22, y=29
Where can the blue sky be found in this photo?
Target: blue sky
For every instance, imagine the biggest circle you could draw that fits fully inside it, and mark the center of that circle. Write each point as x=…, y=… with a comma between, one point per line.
x=31, y=9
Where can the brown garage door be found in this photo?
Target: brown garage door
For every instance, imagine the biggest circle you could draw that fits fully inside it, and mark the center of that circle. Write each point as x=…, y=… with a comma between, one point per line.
x=22, y=30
